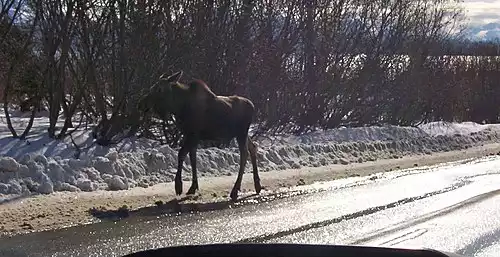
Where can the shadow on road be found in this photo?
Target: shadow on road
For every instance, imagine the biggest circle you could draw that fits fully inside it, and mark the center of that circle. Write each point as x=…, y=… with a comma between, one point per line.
x=188, y=204
x=174, y=206
x=14, y=199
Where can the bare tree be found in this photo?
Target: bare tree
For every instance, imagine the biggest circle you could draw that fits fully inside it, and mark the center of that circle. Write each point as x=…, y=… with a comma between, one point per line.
x=17, y=47
x=306, y=64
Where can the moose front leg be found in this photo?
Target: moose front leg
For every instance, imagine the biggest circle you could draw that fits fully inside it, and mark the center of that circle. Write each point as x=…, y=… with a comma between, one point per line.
x=194, y=180
x=180, y=162
x=242, y=143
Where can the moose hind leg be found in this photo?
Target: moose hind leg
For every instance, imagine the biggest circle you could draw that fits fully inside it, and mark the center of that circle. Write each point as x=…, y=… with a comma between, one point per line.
x=194, y=180
x=242, y=144
x=252, y=150
x=180, y=162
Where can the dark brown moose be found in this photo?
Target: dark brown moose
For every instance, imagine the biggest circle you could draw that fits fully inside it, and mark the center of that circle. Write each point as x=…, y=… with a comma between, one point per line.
x=202, y=115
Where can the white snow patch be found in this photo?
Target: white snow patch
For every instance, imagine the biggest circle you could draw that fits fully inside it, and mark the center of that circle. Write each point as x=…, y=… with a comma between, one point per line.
x=359, y=134
x=450, y=129
x=43, y=165
x=9, y=164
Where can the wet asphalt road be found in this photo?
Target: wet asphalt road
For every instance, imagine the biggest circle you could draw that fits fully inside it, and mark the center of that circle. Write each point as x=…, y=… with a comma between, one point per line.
x=453, y=207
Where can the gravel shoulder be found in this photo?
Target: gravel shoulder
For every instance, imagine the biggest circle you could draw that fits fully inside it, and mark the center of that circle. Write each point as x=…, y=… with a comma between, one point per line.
x=63, y=209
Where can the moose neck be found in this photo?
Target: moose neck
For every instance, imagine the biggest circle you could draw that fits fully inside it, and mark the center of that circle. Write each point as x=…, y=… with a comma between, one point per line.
x=179, y=96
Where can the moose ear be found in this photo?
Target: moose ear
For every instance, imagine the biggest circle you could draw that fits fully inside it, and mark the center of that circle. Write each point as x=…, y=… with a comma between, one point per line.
x=172, y=78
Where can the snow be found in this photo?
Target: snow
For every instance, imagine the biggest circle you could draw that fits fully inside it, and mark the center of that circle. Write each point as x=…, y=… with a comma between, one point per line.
x=42, y=165
x=450, y=129
x=8, y=164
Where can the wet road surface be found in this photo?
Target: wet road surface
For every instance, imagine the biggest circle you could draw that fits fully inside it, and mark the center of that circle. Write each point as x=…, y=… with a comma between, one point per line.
x=453, y=207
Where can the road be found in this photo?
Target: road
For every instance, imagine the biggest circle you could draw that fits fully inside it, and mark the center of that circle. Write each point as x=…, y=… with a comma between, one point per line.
x=453, y=207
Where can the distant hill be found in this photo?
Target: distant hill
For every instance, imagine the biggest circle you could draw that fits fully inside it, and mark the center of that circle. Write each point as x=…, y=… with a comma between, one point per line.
x=486, y=32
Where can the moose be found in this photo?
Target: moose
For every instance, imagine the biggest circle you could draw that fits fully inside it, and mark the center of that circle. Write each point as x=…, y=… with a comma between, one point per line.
x=200, y=115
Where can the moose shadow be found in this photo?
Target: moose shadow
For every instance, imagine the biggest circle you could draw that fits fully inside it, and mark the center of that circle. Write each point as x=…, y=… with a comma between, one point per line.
x=174, y=206
x=181, y=206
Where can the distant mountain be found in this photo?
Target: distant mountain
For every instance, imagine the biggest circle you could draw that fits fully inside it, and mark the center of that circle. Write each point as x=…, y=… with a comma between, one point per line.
x=486, y=32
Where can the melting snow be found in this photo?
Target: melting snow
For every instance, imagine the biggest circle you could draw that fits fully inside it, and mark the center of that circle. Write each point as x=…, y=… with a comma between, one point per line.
x=42, y=165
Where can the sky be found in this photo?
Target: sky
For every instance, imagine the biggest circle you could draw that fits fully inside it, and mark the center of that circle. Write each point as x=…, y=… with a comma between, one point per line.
x=483, y=17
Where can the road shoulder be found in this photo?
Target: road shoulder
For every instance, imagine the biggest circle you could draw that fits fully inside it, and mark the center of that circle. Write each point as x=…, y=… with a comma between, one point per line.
x=63, y=209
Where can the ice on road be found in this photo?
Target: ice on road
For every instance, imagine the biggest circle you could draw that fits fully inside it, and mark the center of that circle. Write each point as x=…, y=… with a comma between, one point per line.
x=448, y=207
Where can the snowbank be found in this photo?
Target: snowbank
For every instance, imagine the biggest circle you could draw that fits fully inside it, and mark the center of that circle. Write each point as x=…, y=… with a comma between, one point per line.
x=450, y=129
x=44, y=166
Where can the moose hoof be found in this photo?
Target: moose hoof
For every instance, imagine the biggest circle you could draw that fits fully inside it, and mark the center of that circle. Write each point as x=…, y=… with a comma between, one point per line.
x=258, y=188
x=192, y=190
x=234, y=195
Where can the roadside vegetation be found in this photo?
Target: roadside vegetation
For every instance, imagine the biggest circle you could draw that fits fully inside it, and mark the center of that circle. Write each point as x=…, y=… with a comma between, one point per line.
x=306, y=64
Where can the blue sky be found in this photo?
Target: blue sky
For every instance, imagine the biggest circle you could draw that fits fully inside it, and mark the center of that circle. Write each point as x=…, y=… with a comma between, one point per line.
x=484, y=18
